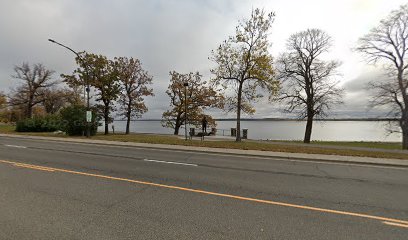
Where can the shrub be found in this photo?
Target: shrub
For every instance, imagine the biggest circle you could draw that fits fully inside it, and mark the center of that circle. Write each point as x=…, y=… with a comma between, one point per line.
x=49, y=123
x=74, y=120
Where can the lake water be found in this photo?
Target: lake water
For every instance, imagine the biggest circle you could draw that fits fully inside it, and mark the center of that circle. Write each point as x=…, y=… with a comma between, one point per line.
x=284, y=130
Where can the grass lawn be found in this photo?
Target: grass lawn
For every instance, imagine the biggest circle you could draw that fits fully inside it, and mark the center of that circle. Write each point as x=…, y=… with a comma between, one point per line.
x=377, y=145
x=5, y=128
x=314, y=148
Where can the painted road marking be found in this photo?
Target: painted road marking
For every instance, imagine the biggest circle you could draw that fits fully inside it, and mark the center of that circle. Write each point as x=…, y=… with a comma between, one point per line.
x=34, y=167
x=389, y=221
x=14, y=146
x=178, y=163
x=396, y=224
x=272, y=158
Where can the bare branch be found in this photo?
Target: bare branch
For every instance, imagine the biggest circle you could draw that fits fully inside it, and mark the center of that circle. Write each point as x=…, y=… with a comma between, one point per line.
x=387, y=44
x=309, y=88
x=29, y=93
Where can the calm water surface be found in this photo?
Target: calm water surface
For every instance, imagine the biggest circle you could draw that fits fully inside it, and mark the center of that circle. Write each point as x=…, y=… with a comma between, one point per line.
x=284, y=130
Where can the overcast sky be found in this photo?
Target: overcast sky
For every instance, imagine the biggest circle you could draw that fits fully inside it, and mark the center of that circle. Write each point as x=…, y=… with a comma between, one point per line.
x=179, y=35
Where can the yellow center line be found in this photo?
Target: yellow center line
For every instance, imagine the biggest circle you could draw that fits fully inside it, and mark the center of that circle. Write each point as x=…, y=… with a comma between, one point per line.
x=389, y=221
x=34, y=167
x=396, y=224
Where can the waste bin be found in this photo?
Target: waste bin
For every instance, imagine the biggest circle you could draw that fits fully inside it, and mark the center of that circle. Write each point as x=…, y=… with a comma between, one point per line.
x=245, y=133
x=233, y=132
x=213, y=131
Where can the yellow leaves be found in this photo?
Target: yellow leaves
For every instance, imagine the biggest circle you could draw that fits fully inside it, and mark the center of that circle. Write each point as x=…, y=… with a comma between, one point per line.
x=3, y=100
x=199, y=97
x=247, y=108
x=244, y=64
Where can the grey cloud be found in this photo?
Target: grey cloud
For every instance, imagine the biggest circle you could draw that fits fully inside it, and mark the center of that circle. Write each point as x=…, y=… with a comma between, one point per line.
x=361, y=82
x=358, y=95
x=165, y=35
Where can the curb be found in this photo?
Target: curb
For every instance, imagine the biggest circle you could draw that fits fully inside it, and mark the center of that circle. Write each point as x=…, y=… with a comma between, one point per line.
x=236, y=152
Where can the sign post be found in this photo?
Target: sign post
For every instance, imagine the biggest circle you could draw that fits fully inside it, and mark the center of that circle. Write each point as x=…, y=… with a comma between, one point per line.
x=88, y=116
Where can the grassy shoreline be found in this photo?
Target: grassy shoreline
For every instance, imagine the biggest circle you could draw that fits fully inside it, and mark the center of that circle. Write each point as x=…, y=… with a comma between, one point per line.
x=353, y=144
x=358, y=149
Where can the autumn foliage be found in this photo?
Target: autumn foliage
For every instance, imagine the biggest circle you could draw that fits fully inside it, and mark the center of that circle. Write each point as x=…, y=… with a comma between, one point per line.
x=200, y=96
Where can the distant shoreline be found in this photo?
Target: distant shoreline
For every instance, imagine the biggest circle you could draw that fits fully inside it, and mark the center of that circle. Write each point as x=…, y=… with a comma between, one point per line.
x=284, y=119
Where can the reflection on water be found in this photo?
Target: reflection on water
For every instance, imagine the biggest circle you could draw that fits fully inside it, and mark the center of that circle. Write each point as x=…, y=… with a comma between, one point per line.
x=285, y=130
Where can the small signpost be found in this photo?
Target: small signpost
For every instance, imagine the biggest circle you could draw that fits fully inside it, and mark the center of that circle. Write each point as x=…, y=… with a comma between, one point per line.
x=88, y=116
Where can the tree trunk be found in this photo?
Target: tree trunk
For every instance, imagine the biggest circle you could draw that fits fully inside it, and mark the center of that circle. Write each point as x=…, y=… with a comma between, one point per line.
x=106, y=117
x=308, y=131
x=128, y=125
x=404, y=112
x=238, y=137
x=106, y=127
x=176, y=129
x=128, y=115
x=309, y=107
x=177, y=124
x=405, y=139
x=30, y=105
x=29, y=112
x=404, y=129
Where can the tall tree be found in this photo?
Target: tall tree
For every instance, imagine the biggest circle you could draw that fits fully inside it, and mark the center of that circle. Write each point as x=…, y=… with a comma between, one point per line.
x=199, y=97
x=245, y=65
x=56, y=98
x=3, y=100
x=309, y=87
x=3, y=107
x=134, y=80
x=387, y=44
x=29, y=93
x=53, y=100
x=72, y=96
x=102, y=75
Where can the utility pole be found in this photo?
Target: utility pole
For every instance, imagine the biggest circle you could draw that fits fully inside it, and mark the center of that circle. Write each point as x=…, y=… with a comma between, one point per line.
x=88, y=112
x=185, y=109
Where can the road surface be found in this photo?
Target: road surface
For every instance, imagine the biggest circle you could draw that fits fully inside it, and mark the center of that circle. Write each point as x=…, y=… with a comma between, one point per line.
x=59, y=190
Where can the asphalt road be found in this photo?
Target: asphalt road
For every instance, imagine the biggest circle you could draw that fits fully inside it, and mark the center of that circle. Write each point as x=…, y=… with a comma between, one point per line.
x=58, y=190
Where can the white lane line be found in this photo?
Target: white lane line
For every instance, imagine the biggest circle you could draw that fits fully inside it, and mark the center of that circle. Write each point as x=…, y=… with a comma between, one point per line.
x=178, y=163
x=396, y=224
x=14, y=146
x=271, y=158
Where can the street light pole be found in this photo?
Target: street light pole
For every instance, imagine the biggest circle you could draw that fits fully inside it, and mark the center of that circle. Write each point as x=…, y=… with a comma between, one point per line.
x=185, y=109
x=88, y=130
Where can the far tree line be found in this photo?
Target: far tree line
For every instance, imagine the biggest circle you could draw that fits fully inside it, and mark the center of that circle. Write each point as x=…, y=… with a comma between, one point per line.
x=303, y=78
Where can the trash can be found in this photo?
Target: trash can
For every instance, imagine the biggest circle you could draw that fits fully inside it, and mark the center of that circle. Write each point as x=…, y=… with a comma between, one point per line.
x=233, y=132
x=192, y=131
x=213, y=131
x=245, y=133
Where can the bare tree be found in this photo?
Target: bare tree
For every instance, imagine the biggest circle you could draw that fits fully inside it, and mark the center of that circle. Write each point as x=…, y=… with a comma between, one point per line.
x=30, y=93
x=245, y=65
x=72, y=96
x=309, y=88
x=134, y=80
x=3, y=100
x=3, y=107
x=387, y=44
x=53, y=99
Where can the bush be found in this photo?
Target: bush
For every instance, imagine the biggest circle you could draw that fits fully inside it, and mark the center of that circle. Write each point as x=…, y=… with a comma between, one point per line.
x=49, y=123
x=74, y=120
